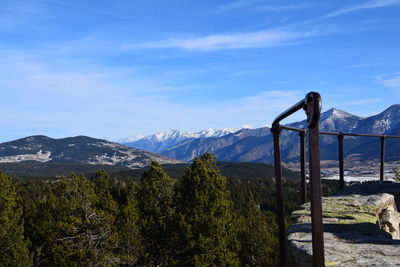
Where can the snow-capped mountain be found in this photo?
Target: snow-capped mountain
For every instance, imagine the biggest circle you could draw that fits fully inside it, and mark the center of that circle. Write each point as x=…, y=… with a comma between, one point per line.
x=334, y=120
x=164, y=140
x=255, y=145
x=80, y=149
x=384, y=122
x=227, y=147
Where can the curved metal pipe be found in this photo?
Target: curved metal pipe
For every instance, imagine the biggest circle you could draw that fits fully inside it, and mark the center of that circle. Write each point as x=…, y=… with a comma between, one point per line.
x=312, y=106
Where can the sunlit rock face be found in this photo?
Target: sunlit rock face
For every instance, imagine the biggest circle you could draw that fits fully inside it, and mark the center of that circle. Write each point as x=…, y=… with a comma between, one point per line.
x=361, y=228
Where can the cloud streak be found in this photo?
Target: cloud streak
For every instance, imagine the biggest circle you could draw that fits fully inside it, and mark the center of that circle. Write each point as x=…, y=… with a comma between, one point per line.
x=364, y=6
x=391, y=81
x=234, y=5
x=257, y=6
x=248, y=72
x=363, y=102
x=217, y=42
x=92, y=99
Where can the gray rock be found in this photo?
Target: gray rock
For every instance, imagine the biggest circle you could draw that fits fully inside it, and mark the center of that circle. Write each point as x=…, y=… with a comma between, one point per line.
x=361, y=228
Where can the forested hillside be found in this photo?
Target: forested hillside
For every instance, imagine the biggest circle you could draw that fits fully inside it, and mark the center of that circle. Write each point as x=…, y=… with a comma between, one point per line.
x=50, y=171
x=201, y=218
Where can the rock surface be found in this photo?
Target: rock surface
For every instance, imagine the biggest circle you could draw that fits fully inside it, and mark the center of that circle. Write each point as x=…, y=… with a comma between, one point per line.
x=361, y=228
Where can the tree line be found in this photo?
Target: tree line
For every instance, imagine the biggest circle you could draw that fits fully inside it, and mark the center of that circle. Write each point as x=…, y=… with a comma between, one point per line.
x=199, y=219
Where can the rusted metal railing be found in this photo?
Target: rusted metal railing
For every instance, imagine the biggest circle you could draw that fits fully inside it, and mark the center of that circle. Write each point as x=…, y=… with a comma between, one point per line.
x=312, y=106
x=341, y=136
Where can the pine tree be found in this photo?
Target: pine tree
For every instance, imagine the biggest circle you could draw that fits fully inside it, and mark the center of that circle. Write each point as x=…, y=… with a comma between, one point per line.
x=13, y=247
x=130, y=240
x=39, y=221
x=102, y=188
x=155, y=203
x=258, y=243
x=80, y=232
x=206, y=218
x=108, y=209
x=396, y=174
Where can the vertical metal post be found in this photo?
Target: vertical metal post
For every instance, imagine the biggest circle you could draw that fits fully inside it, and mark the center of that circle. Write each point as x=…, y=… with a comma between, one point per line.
x=313, y=109
x=279, y=195
x=303, y=190
x=382, y=176
x=312, y=105
x=341, y=169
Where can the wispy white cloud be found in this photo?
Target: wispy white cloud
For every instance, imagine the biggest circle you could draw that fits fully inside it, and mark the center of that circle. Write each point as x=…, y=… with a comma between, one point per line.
x=72, y=99
x=258, y=6
x=390, y=80
x=78, y=97
x=249, y=72
x=272, y=8
x=263, y=107
x=362, y=66
x=363, y=6
x=362, y=102
x=282, y=82
x=20, y=14
x=234, y=5
x=258, y=39
x=270, y=100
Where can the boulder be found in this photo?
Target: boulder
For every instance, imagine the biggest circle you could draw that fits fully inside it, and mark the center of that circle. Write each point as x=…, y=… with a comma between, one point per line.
x=361, y=228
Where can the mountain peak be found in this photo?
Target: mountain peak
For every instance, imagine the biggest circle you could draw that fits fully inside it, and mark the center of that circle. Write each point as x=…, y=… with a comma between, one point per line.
x=35, y=138
x=79, y=149
x=171, y=133
x=392, y=108
x=171, y=137
x=335, y=113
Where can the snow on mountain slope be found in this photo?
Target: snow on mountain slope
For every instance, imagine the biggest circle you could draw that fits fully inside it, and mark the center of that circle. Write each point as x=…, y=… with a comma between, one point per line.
x=164, y=140
x=334, y=120
x=80, y=149
x=381, y=123
x=256, y=145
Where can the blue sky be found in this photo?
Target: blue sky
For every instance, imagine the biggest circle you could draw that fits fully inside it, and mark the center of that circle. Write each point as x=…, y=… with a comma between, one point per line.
x=113, y=69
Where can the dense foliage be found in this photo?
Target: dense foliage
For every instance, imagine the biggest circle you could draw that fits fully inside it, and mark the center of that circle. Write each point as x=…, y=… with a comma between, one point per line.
x=198, y=219
x=396, y=174
x=34, y=170
x=13, y=245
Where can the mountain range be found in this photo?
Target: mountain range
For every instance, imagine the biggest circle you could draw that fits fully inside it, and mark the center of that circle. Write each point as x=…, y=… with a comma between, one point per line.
x=244, y=145
x=161, y=141
x=255, y=145
x=79, y=150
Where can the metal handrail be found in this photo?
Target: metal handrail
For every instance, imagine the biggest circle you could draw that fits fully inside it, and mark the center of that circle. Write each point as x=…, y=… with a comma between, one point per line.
x=312, y=106
x=355, y=134
x=340, y=136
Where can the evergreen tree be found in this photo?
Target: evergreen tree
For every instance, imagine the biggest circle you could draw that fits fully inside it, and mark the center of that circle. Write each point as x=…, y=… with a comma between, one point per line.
x=39, y=221
x=258, y=243
x=13, y=247
x=130, y=238
x=79, y=232
x=102, y=186
x=155, y=203
x=396, y=174
x=206, y=218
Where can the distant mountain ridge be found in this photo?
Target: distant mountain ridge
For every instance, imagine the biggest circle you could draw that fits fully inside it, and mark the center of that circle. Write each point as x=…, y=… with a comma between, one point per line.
x=244, y=145
x=255, y=145
x=164, y=140
x=79, y=149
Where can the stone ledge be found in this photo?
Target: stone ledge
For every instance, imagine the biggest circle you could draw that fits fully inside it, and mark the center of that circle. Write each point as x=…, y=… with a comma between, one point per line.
x=360, y=224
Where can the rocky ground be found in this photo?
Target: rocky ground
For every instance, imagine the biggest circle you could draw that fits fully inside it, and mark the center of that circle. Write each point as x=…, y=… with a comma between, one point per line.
x=361, y=228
